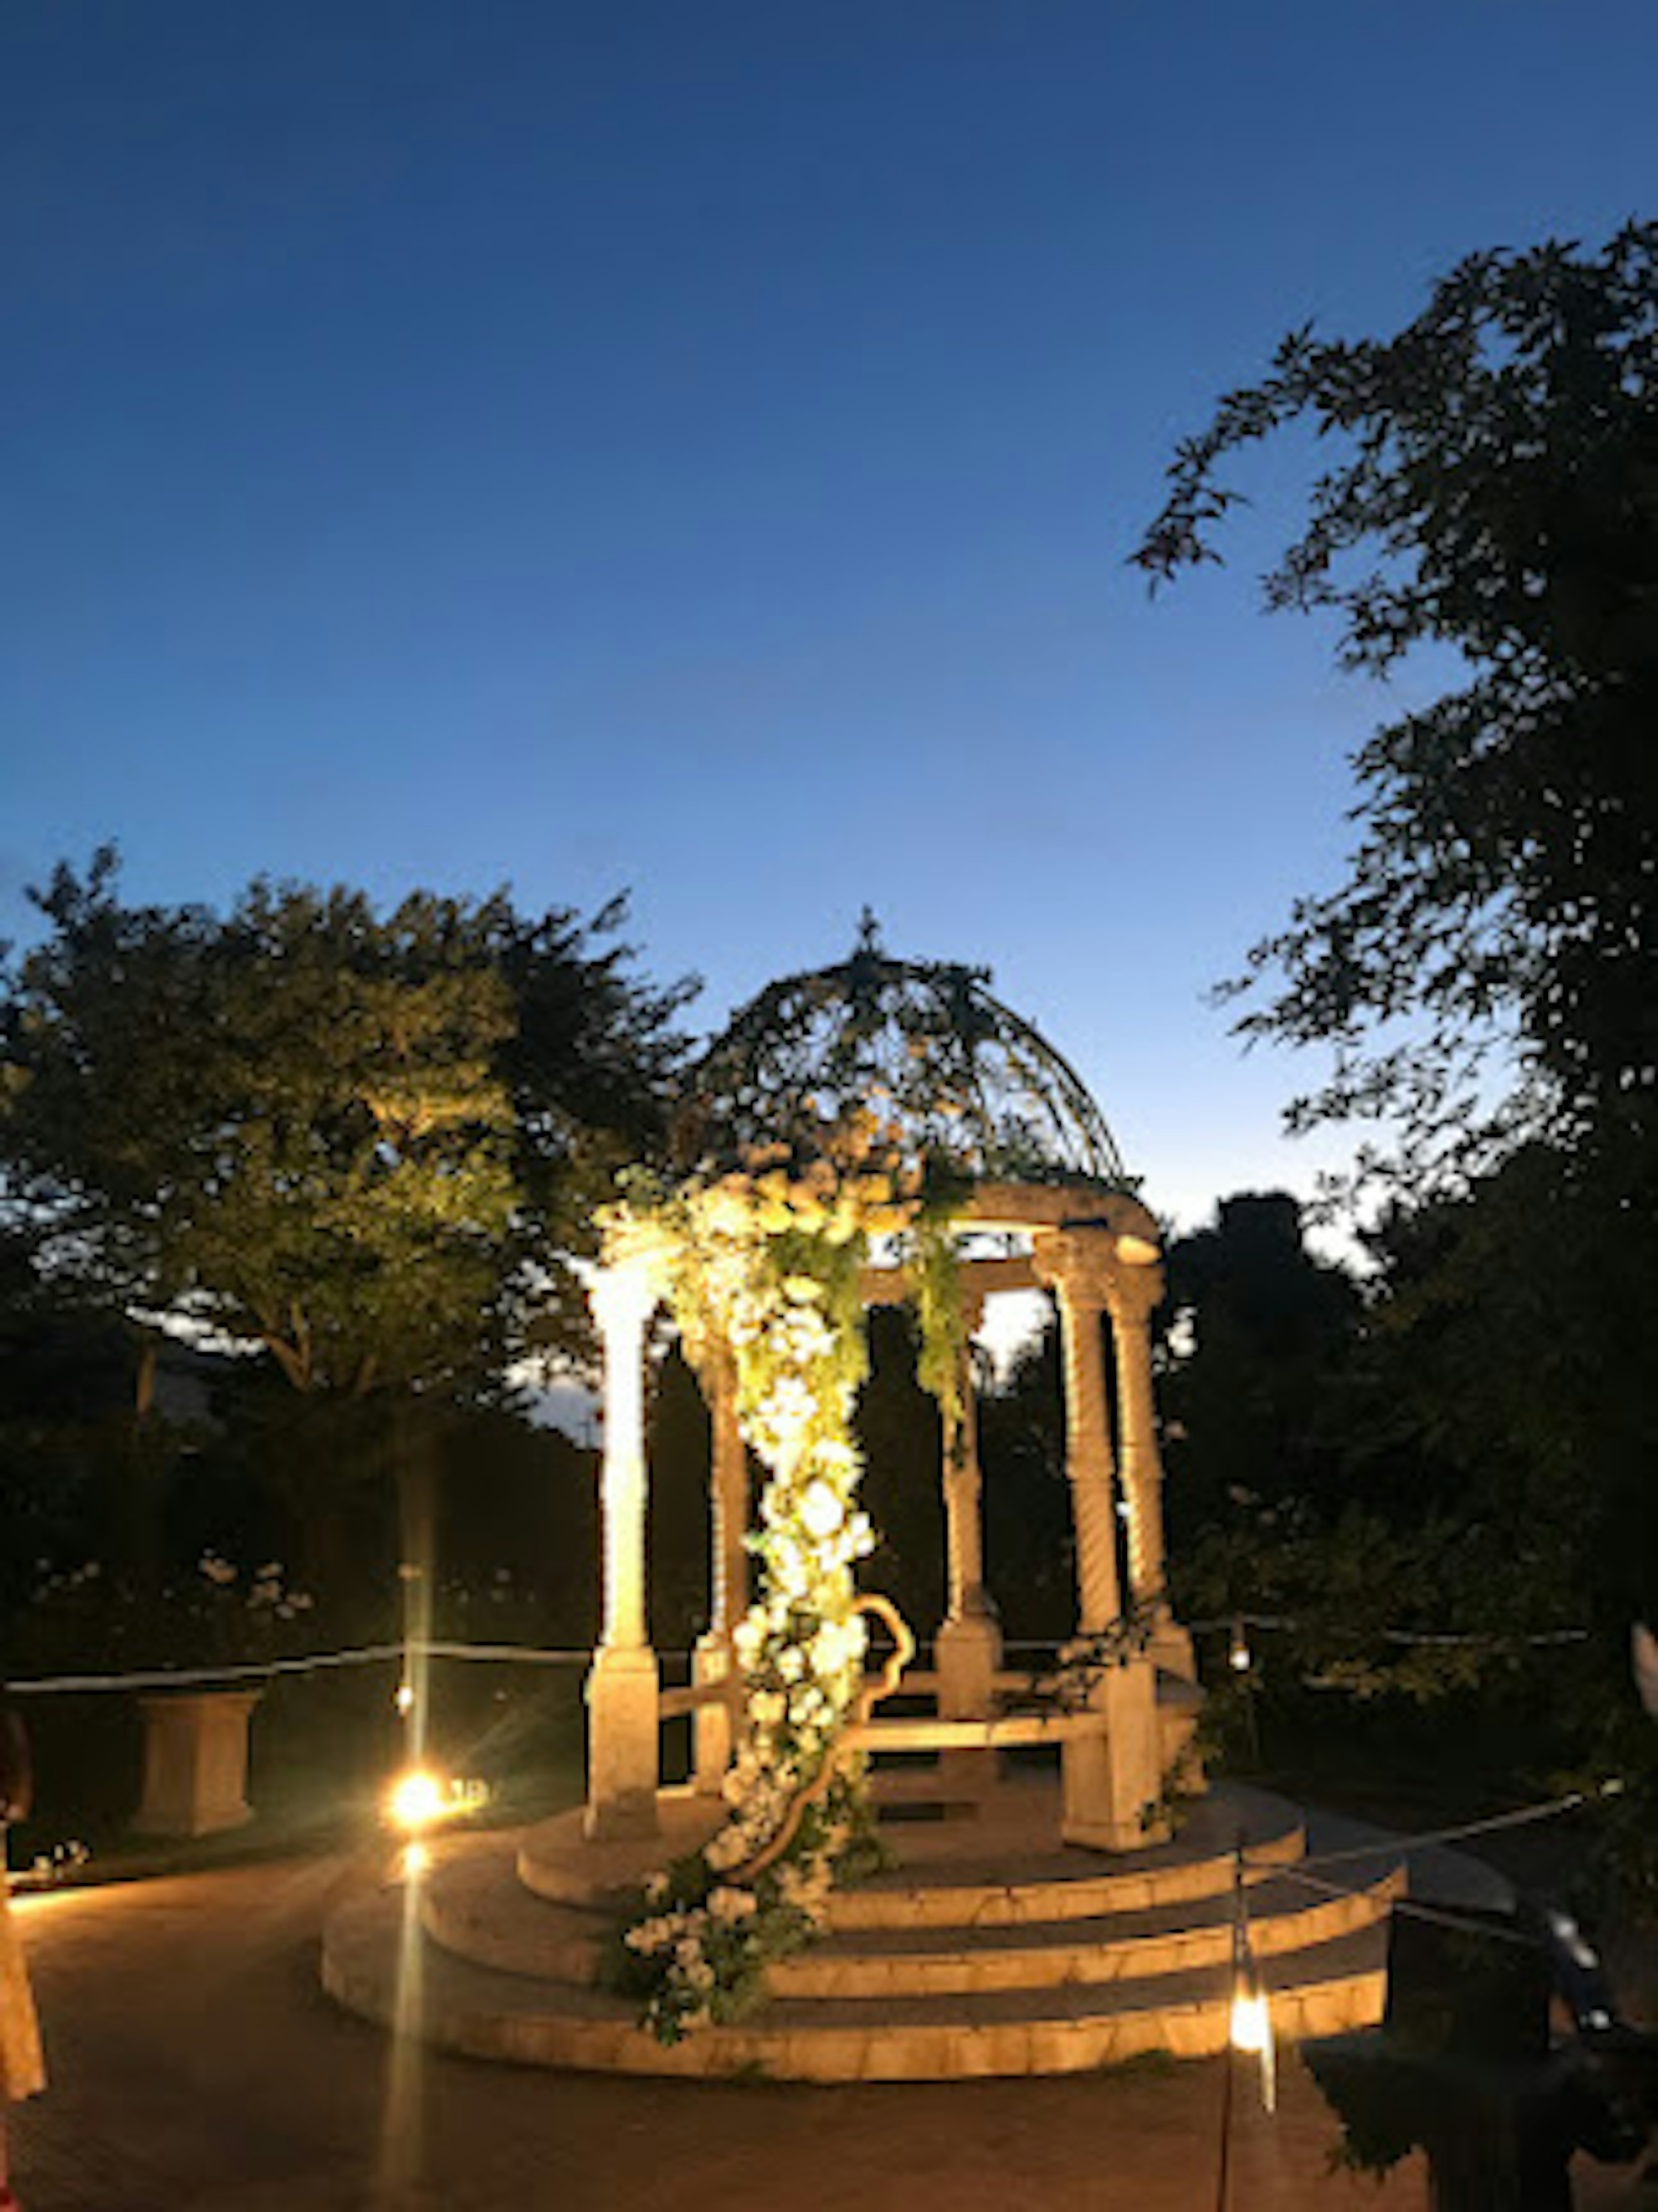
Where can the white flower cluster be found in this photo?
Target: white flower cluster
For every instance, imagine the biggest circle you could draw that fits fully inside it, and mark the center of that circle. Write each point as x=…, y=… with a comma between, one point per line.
x=801, y=1648
x=61, y=1864
x=804, y=1885
x=266, y=1589
x=678, y=1942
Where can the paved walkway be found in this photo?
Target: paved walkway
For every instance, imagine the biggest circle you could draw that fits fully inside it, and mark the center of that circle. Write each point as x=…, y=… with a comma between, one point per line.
x=198, y=2067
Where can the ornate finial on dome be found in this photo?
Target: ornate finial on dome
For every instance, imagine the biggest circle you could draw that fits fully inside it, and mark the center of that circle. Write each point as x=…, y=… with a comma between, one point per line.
x=868, y=939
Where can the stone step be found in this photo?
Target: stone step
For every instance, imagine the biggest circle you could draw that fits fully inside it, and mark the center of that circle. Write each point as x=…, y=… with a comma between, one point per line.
x=1165, y=1940
x=991, y=1875
x=478, y=1908
x=475, y=1907
x=378, y=1961
x=1005, y=1872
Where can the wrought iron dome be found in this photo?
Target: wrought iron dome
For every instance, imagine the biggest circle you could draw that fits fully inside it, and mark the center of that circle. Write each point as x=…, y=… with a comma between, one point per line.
x=925, y=1046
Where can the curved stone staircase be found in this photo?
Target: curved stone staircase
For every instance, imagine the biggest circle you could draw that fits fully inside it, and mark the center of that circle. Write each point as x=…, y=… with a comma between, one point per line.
x=988, y=1950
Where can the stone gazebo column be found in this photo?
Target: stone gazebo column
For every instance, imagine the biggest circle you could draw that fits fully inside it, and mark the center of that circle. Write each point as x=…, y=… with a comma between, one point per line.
x=1111, y=1773
x=968, y=1646
x=623, y=1684
x=1134, y=1294
x=728, y=1513
x=1074, y=1263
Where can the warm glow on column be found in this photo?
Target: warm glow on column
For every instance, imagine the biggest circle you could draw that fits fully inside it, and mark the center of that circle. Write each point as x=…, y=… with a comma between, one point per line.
x=728, y=1503
x=1073, y=1262
x=964, y=1530
x=1135, y=1291
x=623, y=1299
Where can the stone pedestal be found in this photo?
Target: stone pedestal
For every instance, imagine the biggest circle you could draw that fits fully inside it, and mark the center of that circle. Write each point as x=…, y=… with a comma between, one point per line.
x=968, y=1652
x=712, y=1661
x=195, y=1762
x=1110, y=1778
x=622, y=1694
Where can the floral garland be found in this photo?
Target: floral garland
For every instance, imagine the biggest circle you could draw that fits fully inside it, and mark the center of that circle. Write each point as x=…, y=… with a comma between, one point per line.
x=935, y=1270
x=768, y=1262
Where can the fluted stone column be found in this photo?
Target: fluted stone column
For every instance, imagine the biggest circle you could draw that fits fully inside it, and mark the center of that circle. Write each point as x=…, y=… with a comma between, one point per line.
x=964, y=1488
x=1075, y=1264
x=968, y=1646
x=1111, y=1774
x=1134, y=1294
x=1134, y=1297
x=728, y=1504
x=622, y=1685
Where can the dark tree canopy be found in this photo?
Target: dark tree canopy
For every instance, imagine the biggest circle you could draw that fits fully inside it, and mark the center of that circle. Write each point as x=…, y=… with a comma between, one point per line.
x=1247, y=1391
x=1494, y=489
x=1485, y=980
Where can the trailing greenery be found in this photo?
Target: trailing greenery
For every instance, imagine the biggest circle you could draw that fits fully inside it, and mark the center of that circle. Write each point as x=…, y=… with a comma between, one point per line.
x=935, y=1279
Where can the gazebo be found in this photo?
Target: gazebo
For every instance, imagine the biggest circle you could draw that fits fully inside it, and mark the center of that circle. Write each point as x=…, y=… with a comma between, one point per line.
x=1030, y=1195
x=880, y=1130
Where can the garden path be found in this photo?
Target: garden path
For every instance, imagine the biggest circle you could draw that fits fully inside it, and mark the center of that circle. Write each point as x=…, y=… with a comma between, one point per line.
x=198, y=2068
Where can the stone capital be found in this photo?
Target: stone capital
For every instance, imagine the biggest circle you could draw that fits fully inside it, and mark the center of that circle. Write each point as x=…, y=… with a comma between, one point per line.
x=623, y=1294
x=1134, y=1293
x=1078, y=1263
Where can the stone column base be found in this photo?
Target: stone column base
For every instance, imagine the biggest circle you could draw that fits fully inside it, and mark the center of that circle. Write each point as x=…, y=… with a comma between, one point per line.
x=195, y=1762
x=622, y=1695
x=712, y=1661
x=1112, y=1777
x=968, y=1652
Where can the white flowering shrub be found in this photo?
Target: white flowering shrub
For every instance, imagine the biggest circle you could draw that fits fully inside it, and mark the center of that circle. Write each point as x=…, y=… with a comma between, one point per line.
x=219, y=1616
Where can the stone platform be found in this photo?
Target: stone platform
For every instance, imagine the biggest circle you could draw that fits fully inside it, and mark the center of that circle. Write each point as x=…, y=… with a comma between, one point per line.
x=988, y=1950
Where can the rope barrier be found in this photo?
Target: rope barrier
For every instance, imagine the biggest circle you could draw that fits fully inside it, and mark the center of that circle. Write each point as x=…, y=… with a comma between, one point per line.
x=1541, y=1638
x=176, y=1678
x=531, y=1654
x=1437, y=1915
x=1390, y=1845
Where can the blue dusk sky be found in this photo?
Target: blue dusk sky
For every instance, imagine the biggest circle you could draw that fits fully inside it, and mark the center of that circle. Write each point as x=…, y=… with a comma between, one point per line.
x=693, y=449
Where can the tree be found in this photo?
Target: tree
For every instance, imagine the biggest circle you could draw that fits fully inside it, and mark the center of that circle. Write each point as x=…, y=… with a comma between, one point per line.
x=1030, y=1542
x=1251, y=1367
x=1485, y=977
x=1498, y=495
x=334, y=1136
x=361, y=1145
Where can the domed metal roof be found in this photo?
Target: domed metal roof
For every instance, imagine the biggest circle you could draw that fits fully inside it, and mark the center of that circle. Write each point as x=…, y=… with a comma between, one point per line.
x=922, y=1044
